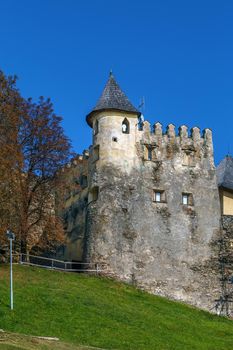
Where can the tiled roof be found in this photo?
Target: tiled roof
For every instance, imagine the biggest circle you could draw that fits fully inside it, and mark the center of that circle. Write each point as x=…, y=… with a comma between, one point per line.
x=225, y=173
x=112, y=98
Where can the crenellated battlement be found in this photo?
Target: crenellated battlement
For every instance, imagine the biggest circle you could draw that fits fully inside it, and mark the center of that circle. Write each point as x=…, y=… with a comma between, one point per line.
x=166, y=142
x=182, y=131
x=194, y=134
x=77, y=160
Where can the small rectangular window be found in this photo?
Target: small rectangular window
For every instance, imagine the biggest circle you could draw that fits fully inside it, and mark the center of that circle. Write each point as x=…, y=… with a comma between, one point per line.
x=159, y=196
x=189, y=159
x=96, y=151
x=93, y=194
x=83, y=181
x=187, y=199
x=149, y=153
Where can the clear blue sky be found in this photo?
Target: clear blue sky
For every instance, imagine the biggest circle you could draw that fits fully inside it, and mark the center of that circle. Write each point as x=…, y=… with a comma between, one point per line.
x=176, y=53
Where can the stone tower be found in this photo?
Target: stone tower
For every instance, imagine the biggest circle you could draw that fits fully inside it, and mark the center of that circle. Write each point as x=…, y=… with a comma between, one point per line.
x=114, y=121
x=153, y=214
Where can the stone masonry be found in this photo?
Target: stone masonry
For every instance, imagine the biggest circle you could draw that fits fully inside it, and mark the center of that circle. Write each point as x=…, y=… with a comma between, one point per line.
x=167, y=248
x=153, y=214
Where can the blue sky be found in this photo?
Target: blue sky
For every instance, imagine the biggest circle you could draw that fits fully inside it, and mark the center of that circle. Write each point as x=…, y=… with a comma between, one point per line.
x=176, y=53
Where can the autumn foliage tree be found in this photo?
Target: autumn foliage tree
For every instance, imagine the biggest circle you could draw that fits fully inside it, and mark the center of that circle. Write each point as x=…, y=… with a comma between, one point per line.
x=37, y=148
x=11, y=104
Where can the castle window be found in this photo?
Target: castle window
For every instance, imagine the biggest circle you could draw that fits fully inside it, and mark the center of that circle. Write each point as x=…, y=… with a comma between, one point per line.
x=189, y=158
x=83, y=181
x=76, y=180
x=140, y=122
x=96, y=151
x=114, y=139
x=93, y=194
x=96, y=127
x=125, y=126
x=187, y=199
x=159, y=196
x=149, y=152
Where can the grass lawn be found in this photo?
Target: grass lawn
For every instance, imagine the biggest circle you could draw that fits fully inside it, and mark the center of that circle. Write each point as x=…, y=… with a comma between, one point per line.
x=14, y=341
x=98, y=312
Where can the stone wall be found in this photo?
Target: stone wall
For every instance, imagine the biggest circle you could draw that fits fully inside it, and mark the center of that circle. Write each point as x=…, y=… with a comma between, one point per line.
x=74, y=203
x=167, y=248
x=226, y=266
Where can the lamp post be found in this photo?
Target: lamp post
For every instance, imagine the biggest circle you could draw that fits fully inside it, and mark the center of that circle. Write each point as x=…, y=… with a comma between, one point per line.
x=11, y=237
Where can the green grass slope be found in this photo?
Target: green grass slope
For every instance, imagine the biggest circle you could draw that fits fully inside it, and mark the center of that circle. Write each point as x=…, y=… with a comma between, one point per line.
x=14, y=341
x=99, y=312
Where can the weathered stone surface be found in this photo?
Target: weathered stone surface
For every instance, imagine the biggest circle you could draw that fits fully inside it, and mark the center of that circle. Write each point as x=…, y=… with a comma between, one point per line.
x=167, y=248
x=73, y=208
x=226, y=266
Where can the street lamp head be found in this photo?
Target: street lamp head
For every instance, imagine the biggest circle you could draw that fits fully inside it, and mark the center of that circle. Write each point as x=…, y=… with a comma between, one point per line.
x=10, y=235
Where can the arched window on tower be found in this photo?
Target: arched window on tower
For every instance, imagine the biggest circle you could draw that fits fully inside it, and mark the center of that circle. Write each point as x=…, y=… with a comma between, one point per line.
x=125, y=126
x=96, y=127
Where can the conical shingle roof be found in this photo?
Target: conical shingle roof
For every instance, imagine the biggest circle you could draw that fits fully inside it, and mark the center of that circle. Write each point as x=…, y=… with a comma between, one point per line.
x=225, y=173
x=112, y=98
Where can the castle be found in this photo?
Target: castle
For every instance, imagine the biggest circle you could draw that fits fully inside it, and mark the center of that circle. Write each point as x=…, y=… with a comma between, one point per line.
x=147, y=206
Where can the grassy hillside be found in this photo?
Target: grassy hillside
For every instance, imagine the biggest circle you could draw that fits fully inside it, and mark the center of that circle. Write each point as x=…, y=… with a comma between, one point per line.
x=102, y=313
x=14, y=341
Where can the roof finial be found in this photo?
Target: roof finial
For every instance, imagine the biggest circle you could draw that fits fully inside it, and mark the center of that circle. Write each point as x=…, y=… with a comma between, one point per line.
x=110, y=73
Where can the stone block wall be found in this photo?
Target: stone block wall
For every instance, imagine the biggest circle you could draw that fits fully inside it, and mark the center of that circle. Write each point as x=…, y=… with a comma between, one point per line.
x=225, y=302
x=74, y=202
x=166, y=247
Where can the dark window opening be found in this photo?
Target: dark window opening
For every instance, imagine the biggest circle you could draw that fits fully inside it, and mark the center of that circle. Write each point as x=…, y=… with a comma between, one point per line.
x=96, y=127
x=83, y=181
x=140, y=122
x=114, y=139
x=96, y=151
x=125, y=126
x=149, y=153
x=93, y=194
